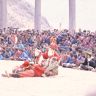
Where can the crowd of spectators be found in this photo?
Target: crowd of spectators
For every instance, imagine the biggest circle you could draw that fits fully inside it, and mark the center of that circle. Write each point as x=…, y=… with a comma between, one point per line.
x=74, y=47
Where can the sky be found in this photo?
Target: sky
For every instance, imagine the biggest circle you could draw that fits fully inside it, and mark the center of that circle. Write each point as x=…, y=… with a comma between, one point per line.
x=57, y=12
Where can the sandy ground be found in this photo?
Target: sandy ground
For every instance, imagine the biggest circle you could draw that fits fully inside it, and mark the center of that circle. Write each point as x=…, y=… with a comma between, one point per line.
x=69, y=82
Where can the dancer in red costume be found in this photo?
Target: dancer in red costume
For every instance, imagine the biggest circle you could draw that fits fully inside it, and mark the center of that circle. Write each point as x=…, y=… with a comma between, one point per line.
x=52, y=61
x=24, y=70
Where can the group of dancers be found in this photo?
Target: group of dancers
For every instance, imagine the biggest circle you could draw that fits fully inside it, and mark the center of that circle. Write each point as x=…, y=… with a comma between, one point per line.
x=44, y=64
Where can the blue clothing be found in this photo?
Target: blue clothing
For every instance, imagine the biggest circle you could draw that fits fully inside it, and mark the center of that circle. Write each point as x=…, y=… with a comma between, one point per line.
x=11, y=52
x=24, y=56
x=59, y=39
x=1, y=57
x=20, y=46
x=30, y=42
x=69, y=60
x=47, y=40
x=74, y=41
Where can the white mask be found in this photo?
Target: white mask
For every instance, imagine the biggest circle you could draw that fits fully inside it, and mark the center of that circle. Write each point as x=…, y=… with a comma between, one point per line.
x=50, y=52
x=37, y=52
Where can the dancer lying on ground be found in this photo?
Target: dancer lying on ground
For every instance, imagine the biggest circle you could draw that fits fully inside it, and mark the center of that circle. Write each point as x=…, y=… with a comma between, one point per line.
x=27, y=69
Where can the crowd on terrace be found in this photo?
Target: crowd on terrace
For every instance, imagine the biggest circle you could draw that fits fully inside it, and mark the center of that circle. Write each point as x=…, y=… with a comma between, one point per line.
x=76, y=49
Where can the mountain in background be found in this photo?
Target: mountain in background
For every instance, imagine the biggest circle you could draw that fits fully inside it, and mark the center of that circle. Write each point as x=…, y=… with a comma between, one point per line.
x=21, y=15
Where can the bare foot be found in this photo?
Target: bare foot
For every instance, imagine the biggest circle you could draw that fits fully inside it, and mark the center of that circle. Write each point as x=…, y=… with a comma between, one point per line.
x=6, y=74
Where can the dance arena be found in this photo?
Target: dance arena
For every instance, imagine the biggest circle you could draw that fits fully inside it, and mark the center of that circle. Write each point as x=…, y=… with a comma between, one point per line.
x=69, y=82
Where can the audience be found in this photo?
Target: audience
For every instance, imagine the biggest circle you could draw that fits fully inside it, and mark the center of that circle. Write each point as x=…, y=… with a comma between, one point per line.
x=76, y=49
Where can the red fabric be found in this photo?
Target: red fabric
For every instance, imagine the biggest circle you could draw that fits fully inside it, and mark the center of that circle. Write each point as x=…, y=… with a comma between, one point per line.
x=57, y=55
x=27, y=73
x=39, y=70
x=18, y=53
x=15, y=39
x=25, y=64
x=45, y=55
x=53, y=46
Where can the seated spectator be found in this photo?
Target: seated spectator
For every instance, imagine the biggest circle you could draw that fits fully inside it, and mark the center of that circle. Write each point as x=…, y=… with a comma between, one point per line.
x=87, y=65
x=1, y=55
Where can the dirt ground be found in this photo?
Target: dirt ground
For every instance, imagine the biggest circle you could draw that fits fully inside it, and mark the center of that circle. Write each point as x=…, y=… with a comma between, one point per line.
x=69, y=82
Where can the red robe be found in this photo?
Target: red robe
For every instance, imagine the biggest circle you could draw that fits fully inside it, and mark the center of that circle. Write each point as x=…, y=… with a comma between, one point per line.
x=38, y=70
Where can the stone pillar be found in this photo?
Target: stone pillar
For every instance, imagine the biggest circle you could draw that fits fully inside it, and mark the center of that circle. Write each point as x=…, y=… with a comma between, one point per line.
x=37, y=17
x=3, y=14
x=72, y=15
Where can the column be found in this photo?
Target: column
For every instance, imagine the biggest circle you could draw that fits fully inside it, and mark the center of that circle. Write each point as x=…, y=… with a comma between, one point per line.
x=72, y=15
x=37, y=17
x=3, y=14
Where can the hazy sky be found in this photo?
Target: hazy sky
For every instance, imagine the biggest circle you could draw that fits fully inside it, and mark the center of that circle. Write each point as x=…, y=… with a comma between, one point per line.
x=56, y=12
